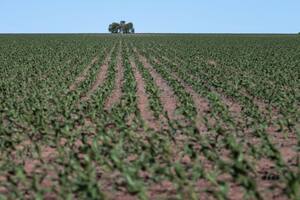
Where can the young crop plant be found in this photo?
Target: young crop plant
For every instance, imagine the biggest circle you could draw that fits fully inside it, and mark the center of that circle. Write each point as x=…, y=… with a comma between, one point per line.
x=149, y=117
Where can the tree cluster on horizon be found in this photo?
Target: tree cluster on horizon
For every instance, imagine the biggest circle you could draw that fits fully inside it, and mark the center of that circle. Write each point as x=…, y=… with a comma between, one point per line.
x=122, y=27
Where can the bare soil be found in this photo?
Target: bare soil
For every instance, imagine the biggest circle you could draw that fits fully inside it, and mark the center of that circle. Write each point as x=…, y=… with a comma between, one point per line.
x=167, y=96
x=142, y=98
x=82, y=75
x=101, y=76
x=212, y=62
x=201, y=104
x=116, y=95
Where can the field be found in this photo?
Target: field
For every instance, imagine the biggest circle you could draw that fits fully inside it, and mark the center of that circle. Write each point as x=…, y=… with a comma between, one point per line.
x=150, y=117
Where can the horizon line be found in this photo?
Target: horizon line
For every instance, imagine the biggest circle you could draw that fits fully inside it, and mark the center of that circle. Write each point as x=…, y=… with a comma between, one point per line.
x=212, y=33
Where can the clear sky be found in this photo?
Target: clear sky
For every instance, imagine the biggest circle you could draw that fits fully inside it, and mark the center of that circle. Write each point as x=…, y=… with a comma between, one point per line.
x=155, y=16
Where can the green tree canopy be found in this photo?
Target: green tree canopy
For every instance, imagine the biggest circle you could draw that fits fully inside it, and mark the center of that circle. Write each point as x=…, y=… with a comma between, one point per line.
x=122, y=27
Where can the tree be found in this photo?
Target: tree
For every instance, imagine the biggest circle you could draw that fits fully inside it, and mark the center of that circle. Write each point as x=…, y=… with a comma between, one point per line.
x=129, y=28
x=114, y=27
x=121, y=27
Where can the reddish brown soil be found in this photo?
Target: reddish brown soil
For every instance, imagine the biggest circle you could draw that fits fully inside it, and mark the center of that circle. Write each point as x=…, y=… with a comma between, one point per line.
x=285, y=140
x=116, y=95
x=201, y=104
x=234, y=108
x=142, y=98
x=285, y=143
x=167, y=96
x=202, y=108
x=82, y=76
x=101, y=76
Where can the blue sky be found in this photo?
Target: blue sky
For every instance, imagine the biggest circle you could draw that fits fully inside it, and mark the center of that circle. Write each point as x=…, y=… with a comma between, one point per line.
x=164, y=16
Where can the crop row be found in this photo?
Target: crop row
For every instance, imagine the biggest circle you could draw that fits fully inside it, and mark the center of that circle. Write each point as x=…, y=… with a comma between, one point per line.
x=224, y=117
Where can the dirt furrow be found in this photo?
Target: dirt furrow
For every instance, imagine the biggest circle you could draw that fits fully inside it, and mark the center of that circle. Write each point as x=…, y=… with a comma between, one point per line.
x=116, y=95
x=167, y=96
x=233, y=107
x=286, y=143
x=101, y=76
x=142, y=98
x=202, y=107
x=83, y=75
x=201, y=104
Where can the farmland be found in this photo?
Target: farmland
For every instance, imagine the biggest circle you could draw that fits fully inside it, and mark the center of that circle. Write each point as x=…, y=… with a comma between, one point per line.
x=150, y=117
